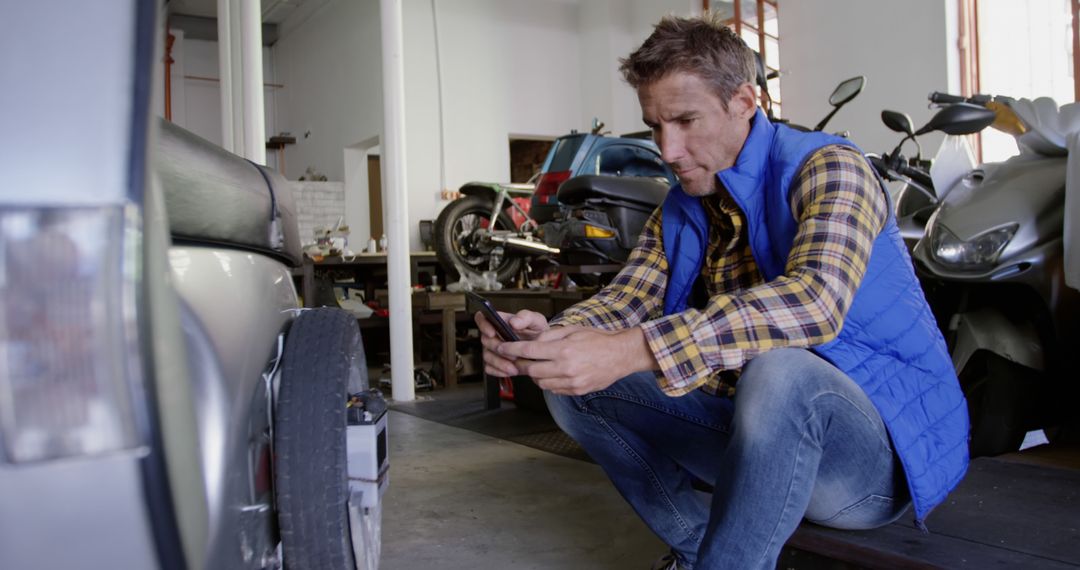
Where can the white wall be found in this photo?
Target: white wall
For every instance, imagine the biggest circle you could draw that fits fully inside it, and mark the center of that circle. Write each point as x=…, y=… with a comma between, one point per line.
x=610, y=30
x=508, y=66
x=331, y=68
x=905, y=50
x=196, y=103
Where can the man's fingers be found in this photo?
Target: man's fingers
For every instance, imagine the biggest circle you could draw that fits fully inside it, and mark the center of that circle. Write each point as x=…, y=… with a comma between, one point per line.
x=486, y=328
x=557, y=333
x=530, y=350
x=526, y=320
x=562, y=386
x=492, y=370
x=500, y=366
x=541, y=368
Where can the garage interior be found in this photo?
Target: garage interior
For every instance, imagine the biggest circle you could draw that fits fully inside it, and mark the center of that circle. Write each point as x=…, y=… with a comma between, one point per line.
x=383, y=118
x=485, y=88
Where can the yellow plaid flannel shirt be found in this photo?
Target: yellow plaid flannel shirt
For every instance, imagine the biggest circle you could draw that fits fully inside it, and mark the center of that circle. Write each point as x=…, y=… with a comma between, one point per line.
x=840, y=209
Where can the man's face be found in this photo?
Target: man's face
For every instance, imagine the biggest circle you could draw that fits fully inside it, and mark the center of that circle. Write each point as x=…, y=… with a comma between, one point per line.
x=696, y=135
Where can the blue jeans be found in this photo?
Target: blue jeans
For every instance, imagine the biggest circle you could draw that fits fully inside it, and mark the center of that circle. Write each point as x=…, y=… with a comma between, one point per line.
x=800, y=439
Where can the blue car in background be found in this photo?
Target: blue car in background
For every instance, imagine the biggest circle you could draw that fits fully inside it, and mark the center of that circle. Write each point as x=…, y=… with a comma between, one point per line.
x=578, y=154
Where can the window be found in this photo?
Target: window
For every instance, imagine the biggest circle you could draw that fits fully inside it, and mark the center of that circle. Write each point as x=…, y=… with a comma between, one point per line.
x=1021, y=50
x=755, y=21
x=626, y=160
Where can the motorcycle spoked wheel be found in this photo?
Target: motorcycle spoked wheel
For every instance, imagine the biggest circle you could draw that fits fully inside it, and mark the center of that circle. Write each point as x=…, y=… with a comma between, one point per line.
x=457, y=241
x=1003, y=398
x=320, y=366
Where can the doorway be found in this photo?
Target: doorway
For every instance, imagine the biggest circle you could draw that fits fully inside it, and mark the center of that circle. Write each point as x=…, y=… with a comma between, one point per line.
x=375, y=217
x=527, y=155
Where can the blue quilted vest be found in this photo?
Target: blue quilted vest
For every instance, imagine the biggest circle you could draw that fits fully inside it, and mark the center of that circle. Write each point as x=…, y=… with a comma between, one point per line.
x=889, y=343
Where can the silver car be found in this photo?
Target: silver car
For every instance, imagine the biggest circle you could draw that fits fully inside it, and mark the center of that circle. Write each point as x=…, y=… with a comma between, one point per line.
x=163, y=401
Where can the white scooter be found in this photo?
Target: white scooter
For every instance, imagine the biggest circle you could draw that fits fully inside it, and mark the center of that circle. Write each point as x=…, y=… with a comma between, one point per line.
x=992, y=262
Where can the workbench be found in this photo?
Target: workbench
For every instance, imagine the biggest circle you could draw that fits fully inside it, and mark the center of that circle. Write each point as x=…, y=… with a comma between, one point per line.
x=368, y=271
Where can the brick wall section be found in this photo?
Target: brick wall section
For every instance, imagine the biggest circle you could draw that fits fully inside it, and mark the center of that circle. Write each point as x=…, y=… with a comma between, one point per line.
x=318, y=204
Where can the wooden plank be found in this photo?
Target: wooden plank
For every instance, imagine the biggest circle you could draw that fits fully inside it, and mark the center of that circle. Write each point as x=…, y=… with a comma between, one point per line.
x=1003, y=515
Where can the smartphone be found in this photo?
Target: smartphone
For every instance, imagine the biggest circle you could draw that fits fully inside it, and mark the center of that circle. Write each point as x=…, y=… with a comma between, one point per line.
x=476, y=303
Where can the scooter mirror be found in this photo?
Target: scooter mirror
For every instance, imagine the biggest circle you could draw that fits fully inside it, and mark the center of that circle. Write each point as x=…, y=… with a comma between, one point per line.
x=897, y=121
x=847, y=90
x=959, y=119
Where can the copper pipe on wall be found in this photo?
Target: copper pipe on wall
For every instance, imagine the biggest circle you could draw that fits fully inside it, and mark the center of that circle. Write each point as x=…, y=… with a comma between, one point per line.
x=968, y=46
x=170, y=38
x=1076, y=48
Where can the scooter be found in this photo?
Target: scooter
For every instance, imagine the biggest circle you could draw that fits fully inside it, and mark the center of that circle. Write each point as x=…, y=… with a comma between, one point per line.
x=992, y=265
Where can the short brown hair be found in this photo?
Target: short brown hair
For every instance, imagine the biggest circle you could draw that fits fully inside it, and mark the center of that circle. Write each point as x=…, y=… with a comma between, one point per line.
x=701, y=45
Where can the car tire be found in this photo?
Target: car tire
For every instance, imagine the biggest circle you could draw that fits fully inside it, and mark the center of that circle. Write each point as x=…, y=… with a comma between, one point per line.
x=309, y=440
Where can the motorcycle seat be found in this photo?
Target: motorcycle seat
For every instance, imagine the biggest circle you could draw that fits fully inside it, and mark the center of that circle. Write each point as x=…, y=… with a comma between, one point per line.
x=638, y=190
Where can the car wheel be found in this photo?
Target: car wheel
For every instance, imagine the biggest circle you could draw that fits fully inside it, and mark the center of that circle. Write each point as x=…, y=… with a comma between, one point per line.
x=309, y=439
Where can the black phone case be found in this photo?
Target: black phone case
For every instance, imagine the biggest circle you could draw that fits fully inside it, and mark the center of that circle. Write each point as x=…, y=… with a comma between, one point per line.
x=477, y=303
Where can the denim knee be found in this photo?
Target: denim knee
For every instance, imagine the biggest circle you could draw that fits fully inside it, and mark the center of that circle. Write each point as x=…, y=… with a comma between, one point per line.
x=777, y=378
x=565, y=410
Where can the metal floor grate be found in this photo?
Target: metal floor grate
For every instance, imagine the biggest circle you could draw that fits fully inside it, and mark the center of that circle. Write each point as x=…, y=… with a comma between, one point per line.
x=554, y=441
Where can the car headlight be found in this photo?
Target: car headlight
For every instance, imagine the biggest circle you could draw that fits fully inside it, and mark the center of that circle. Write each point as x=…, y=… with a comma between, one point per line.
x=69, y=360
x=980, y=252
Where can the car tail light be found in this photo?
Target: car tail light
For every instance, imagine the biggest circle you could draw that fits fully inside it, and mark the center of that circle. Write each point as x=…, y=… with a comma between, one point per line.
x=68, y=348
x=598, y=232
x=548, y=186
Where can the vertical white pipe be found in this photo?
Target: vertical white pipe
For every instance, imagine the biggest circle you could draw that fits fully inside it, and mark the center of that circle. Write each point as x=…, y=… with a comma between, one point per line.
x=252, y=77
x=396, y=202
x=236, y=102
x=225, y=74
x=439, y=82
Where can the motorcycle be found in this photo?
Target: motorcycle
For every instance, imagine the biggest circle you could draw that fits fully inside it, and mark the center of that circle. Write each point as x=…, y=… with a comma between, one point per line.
x=991, y=262
x=477, y=233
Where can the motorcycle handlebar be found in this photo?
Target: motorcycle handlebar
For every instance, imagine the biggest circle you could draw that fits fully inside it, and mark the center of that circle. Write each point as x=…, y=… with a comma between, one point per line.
x=946, y=98
x=917, y=174
x=898, y=165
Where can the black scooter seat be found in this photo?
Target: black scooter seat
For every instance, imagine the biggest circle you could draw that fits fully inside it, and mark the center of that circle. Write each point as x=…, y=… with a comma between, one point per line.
x=639, y=190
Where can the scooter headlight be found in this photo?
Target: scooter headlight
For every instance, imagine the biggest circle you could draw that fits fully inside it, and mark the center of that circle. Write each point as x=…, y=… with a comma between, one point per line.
x=981, y=252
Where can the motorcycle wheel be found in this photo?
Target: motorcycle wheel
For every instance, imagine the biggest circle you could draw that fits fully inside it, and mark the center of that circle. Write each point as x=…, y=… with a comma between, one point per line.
x=458, y=243
x=323, y=354
x=1002, y=399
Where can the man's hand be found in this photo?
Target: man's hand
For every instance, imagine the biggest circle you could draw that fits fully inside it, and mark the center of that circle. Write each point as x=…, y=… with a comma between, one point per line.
x=527, y=324
x=577, y=360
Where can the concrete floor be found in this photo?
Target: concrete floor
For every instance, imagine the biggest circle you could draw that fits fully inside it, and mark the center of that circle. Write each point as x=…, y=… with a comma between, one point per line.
x=461, y=500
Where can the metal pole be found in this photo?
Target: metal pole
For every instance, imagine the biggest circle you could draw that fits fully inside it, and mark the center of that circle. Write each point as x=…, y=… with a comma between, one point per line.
x=252, y=77
x=225, y=74
x=396, y=202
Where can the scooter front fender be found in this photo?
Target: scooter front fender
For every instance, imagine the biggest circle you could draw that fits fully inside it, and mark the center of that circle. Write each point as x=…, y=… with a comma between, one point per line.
x=989, y=329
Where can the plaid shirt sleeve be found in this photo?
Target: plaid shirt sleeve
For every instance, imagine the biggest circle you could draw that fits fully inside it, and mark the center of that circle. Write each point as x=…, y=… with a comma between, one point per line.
x=635, y=295
x=840, y=209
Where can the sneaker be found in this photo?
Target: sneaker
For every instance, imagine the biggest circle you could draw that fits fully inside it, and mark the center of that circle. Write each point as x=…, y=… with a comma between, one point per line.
x=668, y=562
